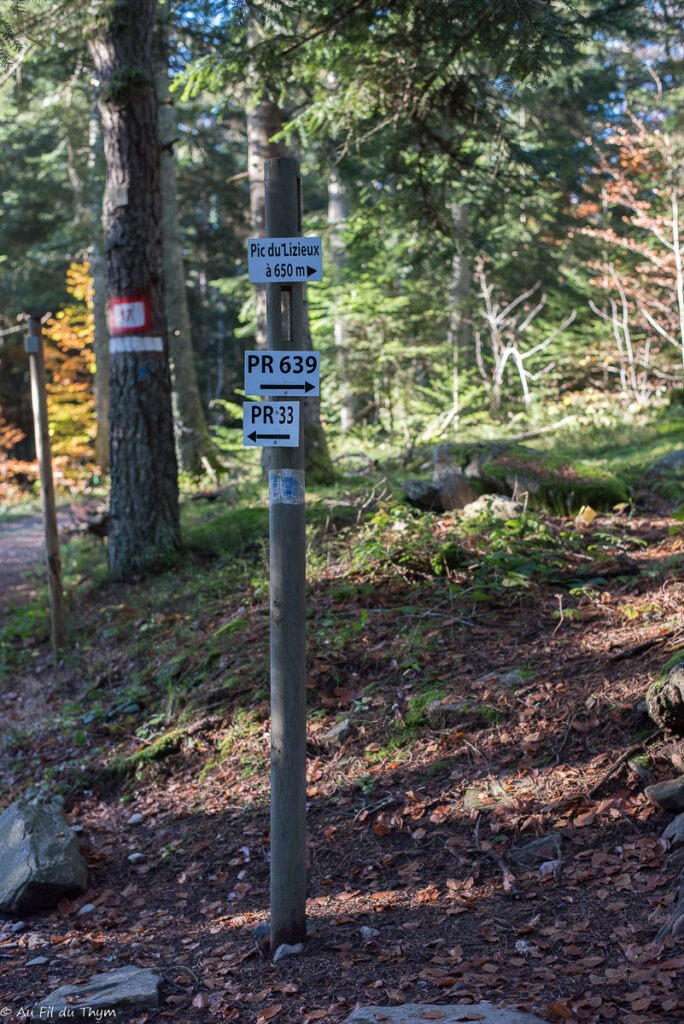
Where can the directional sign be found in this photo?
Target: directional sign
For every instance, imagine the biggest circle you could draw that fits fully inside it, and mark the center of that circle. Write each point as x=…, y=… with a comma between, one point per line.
x=270, y=424
x=283, y=374
x=284, y=260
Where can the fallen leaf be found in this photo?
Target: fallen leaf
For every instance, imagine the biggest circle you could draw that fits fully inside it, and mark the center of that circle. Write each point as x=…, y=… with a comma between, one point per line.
x=269, y=1013
x=560, y=1010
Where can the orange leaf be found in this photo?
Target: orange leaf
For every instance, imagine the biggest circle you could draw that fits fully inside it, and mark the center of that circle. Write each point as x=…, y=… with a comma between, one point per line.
x=560, y=1010
x=269, y=1013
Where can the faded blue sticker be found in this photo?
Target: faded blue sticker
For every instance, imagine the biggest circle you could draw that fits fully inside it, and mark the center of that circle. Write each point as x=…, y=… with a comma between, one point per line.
x=286, y=487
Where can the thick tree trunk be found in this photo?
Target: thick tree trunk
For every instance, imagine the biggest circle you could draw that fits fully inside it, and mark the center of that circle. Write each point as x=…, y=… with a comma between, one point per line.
x=193, y=443
x=264, y=120
x=144, y=518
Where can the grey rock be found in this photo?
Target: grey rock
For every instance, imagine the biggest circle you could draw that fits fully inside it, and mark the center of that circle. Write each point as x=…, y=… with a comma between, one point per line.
x=125, y=988
x=336, y=736
x=418, y=1013
x=423, y=494
x=86, y=910
x=495, y=505
x=665, y=701
x=136, y=857
x=674, y=833
x=41, y=862
x=669, y=794
x=285, y=949
x=538, y=852
x=38, y=961
x=135, y=819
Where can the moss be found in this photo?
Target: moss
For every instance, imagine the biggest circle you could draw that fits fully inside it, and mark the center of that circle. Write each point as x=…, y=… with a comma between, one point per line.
x=449, y=556
x=558, y=486
x=162, y=747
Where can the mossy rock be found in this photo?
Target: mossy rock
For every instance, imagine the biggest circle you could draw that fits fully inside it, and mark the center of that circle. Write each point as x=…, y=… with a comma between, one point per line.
x=559, y=487
x=666, y=476
x=551, y=481
x=665, y=701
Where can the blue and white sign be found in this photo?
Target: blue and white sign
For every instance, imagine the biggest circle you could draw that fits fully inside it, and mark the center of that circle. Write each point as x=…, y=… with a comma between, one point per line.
x=284, y=260
x=270, y=424
x=283, y=374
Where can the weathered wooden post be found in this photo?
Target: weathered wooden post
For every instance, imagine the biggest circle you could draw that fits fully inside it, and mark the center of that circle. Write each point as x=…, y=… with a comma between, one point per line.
x=34, y=347
x=284, y=314
x=284, y=261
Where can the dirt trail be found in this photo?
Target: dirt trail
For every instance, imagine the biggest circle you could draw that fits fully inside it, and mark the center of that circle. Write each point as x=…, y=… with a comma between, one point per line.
x=22, y=548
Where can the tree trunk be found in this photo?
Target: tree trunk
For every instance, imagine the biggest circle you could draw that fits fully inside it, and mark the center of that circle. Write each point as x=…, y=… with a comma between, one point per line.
x=264, y=120
x=144, y=517
x=98, y=272
x=193, y=443
x=459, y=330
x=338, y=211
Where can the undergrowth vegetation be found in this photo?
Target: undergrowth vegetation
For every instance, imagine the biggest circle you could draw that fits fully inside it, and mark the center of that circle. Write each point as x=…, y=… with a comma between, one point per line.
x=386, y=584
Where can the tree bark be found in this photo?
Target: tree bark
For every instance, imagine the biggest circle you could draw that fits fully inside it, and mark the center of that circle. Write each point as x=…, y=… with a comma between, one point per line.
x=193, y=443
x=144, y=516
x=338, y=211
x=459, y=330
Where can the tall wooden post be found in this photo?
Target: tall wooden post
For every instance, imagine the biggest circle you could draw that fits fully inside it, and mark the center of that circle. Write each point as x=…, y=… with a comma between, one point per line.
x=284, y=330
x=34, y=347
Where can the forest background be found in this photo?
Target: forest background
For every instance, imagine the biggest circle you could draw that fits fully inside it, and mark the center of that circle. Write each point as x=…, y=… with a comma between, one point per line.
x=499, y=187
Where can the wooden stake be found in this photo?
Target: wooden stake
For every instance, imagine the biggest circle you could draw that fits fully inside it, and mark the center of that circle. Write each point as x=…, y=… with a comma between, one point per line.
x=284, y=329
x=34, y=347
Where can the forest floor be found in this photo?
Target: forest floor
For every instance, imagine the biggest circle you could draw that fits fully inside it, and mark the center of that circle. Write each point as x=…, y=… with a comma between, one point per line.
x=422, y=884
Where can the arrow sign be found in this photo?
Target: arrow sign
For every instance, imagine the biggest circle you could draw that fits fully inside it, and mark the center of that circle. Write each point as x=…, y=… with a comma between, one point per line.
x=283, y=373
x=270, y=424
x=284, y=260
x=285, y=389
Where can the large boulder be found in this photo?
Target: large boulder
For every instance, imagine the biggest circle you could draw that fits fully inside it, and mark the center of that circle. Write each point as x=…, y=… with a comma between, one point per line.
x=125, y=988
x=40, y=862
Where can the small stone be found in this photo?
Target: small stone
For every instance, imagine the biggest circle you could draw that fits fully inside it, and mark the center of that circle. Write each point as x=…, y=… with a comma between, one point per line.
x=136, y=857
x=669, y=794
x=37, y=961
x=336, y=736
x=538, y=851
x=86, y=910
x=135, y=819
x=262, y=934
x=286, y=950
x=368, y=934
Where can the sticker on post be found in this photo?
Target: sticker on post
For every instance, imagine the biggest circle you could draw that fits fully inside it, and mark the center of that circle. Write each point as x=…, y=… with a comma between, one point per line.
x=283, y=373
x=270, y=424
x=284, y=260
x=286, y=487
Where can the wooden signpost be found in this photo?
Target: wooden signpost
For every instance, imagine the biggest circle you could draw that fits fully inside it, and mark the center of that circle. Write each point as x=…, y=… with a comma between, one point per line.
x=34, y=347
x=283, y=261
